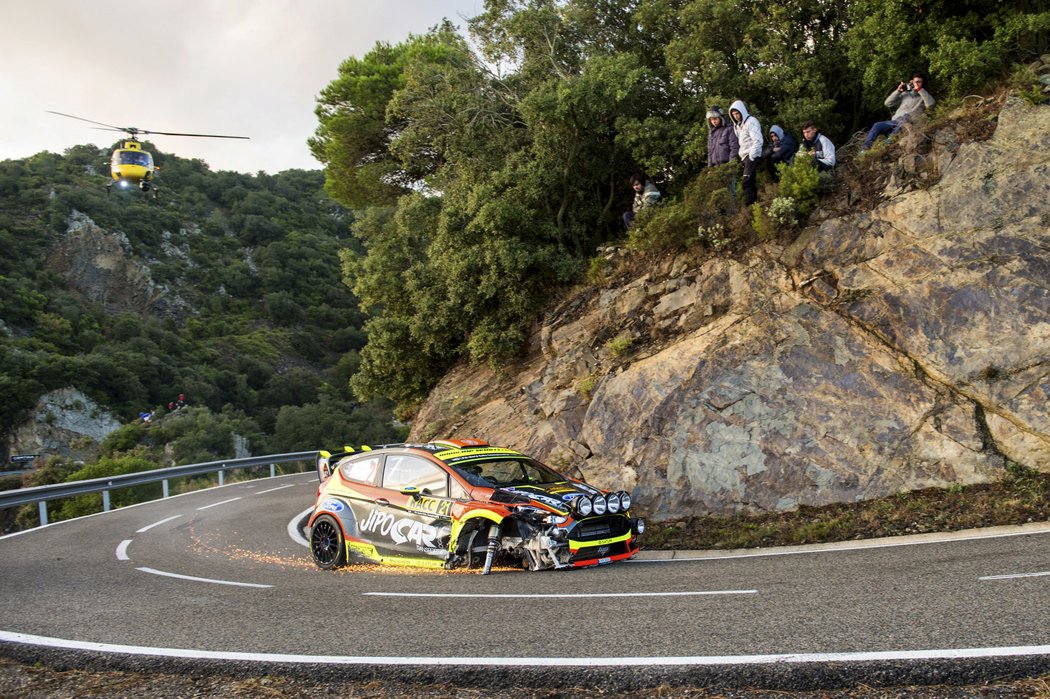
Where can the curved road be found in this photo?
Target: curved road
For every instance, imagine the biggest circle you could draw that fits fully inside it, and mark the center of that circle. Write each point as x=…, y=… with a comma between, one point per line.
x=221, y=576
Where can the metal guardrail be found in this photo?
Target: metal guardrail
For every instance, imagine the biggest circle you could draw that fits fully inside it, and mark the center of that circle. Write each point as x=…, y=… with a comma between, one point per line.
x=42, y=493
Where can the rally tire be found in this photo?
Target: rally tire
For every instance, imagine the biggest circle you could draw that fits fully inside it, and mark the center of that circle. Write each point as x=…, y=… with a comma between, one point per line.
x=327, y=544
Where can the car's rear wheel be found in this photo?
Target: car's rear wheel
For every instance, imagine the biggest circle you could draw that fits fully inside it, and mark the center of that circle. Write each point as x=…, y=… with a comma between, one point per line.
x=327, y=543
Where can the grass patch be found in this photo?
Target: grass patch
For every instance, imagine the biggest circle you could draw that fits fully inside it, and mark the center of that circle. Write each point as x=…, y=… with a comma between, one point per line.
x=1020, y=497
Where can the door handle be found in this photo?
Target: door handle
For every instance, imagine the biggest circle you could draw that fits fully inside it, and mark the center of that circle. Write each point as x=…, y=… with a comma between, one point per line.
x=383, y=502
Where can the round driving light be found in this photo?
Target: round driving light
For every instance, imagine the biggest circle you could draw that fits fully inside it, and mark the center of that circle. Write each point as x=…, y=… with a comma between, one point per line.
x=614, y=503
x=625, y=501
x=639, y=527
x=599, y=505
x=583, y=506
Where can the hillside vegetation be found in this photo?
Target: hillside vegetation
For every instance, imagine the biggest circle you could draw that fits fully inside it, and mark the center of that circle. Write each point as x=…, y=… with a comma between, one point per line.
x=468, y=176
x=227, y=289
x=489, y=170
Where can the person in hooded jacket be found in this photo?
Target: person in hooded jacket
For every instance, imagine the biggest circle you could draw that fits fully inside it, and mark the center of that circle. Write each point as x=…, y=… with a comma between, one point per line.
x=783, y=147
x=749, y=136
x=722, y=146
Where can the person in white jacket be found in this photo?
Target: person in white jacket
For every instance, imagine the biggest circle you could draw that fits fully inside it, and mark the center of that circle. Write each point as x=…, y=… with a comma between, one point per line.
x=749, y=136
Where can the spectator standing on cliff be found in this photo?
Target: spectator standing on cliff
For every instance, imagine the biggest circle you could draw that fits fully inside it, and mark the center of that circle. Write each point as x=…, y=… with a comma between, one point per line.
x=819, y=145
x=749, y=136
x=783, y=147
x=911, y=99
x=645, y=194
x=722, y=146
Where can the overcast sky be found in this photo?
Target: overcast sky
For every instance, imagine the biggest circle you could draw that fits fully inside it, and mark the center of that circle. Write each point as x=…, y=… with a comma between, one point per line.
x=239, y=67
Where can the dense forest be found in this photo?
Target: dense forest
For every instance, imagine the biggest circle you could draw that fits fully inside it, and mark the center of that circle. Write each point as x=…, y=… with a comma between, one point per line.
x=469, y=173
x=258, y=330
x=487, y=164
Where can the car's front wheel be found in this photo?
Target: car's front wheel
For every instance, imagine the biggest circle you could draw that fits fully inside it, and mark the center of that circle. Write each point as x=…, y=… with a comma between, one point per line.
x=327, y=544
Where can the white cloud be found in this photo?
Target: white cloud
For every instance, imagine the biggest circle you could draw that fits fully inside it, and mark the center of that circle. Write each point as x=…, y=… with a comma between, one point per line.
x=201, y=66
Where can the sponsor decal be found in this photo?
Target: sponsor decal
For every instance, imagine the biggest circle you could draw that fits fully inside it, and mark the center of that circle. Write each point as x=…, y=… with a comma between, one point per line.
x=538, y=497
x=404, y=530
x=454, y=455
x=332, y=505
x=430, y=506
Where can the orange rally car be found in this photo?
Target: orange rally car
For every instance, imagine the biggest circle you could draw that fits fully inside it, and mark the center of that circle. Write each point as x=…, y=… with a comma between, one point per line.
x=462, y=503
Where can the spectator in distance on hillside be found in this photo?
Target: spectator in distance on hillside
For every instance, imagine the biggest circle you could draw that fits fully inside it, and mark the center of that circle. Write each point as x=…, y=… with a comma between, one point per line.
x=645, y=194
x=910, y=99
x=749, y=136
x=783, y=147
x=722, y=146
x=819, y=146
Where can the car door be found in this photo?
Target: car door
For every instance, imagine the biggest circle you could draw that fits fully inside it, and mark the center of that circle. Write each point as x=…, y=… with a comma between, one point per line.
x=412, y=516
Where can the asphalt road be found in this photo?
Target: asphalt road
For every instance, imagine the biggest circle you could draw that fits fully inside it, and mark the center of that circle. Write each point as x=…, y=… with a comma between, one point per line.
x=217, y=578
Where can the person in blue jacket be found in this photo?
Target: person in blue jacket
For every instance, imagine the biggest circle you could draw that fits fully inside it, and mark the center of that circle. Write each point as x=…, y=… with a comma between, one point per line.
x=783, y=147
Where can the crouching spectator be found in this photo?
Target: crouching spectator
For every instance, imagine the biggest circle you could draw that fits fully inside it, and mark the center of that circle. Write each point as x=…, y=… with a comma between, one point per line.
x=783, y=147
x=819, y=145
x=645, y=194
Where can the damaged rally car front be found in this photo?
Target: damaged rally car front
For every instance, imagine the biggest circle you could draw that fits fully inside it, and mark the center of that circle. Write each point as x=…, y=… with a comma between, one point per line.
x=463, y=503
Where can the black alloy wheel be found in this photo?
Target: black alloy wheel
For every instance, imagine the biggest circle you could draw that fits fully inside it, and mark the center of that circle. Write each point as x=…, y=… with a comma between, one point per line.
x=327, y=544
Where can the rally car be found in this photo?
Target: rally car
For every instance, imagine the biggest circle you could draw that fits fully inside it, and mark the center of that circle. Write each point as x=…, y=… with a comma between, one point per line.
x=462, y=503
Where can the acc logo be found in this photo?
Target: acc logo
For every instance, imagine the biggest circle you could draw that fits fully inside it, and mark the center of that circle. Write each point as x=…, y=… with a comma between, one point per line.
x=332, y=505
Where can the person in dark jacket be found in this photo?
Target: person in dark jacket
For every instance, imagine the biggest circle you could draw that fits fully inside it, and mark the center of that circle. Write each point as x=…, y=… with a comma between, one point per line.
x=722, y=145
x=783, y=149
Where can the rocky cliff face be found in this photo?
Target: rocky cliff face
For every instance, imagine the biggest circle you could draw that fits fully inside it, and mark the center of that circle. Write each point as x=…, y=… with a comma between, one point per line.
x=99, y=265
x=884, y=351
x=67, y=423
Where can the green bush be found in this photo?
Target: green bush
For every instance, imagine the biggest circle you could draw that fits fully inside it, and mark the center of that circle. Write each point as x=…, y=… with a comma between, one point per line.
x=800, y=181
x=704, y=203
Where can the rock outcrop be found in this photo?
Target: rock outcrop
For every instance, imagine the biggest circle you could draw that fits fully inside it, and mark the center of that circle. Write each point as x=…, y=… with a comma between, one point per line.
x=885, y=351
x=99, y=265
x=67, y=423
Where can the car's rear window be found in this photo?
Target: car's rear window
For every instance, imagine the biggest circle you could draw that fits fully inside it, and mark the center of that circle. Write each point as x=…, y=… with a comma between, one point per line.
x=360, y=470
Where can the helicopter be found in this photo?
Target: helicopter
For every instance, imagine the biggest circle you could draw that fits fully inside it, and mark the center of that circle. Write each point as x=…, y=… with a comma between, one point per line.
x=131, y=165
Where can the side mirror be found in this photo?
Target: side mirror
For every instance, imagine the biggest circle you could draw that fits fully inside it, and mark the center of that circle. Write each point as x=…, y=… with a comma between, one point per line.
x=411, y=490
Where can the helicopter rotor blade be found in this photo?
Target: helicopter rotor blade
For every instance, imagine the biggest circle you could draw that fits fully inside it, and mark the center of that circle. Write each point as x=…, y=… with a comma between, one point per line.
x=134, y=132
x=90, y=121
x=195, y=135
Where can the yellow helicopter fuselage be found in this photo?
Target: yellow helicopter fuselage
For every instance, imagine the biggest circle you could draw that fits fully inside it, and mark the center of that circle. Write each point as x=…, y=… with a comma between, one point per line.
x=130, y=164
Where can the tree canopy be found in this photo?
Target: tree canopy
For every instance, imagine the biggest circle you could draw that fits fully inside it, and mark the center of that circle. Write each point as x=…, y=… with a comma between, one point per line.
x=484, y=168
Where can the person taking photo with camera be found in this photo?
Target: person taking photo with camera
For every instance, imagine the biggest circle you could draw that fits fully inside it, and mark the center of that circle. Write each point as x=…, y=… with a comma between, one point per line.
x=910, y=100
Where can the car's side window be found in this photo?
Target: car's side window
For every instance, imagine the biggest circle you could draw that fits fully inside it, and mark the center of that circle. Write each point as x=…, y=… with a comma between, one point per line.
x=457, y=491
x=404, y=470
x=360, y=470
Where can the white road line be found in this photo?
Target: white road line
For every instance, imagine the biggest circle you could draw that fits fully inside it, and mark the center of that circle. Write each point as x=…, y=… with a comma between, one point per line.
x=1015, y=575
x=280, y=487
x=839, y=547
x=562, y=596
x=156, y=524
x=206, y=580
x=635, y=661
x=216, y=504
x=293, y=528
x=122, y=550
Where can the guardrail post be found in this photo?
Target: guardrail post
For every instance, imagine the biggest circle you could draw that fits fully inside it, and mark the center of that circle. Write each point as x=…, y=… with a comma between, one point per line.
x=43, y=512
x=105, y=501
x=273, y=470
x=164, y=487
x=221, y=473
